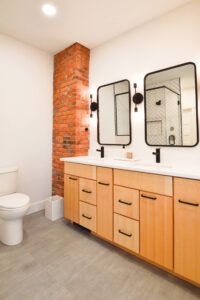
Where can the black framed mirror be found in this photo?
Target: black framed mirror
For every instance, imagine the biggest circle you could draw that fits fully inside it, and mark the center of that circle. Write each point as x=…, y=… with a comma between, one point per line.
x=171, y=107
x=114, y=113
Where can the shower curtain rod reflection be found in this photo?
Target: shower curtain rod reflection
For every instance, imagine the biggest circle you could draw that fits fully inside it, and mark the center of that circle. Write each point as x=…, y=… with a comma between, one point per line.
x=163, y=87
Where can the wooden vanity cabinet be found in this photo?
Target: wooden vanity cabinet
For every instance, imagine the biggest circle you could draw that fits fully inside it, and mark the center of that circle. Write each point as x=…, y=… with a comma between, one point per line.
x=71, y=198
x=187, y=228
x=140, y=212
x=105, y=203
x=156, y=229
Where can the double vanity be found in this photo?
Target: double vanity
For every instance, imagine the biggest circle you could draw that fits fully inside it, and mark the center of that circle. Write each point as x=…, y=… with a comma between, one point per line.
x=152, y=212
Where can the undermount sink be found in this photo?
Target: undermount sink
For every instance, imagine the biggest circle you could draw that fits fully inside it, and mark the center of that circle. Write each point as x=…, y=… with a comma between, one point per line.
x=127, y=159
x=155, y=165
x=145, y=164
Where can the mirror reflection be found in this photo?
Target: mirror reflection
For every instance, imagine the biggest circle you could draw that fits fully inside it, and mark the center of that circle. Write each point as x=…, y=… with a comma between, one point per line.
x=114, y=124
x=171, y=107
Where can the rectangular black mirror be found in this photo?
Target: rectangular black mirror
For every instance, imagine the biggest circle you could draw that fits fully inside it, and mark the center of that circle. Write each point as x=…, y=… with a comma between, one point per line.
x=114, y=113
x=171, y=112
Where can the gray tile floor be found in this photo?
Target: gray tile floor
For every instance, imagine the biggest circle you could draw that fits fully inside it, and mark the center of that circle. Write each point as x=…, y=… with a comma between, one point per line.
x=60, y=261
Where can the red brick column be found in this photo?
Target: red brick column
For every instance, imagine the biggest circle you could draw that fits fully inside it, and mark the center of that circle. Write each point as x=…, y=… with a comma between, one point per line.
x=70, y=109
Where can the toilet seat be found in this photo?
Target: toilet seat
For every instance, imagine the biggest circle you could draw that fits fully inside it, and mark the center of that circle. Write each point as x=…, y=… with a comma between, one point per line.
x=14, y=201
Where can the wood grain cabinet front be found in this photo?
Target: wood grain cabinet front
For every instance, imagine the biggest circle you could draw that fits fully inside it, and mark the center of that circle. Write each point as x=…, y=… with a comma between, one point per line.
x=126, y=232
x=126, y=202
x=105, y=203
x=156, y=228
x=80, y=170
x=140, y=212
x=153, y=183
x=71, y=198
x=187, y=228
x=87, y=191
x=88, y=216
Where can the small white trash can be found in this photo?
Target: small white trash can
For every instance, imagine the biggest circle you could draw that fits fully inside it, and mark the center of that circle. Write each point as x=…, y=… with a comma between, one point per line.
x=54, y=208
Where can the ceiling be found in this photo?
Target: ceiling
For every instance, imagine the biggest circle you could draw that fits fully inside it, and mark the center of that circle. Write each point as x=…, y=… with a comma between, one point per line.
x=89, y=22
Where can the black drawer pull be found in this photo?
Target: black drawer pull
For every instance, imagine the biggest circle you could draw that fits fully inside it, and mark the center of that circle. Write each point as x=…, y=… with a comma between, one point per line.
x=189, y=203
x=84, y=216
x=148, y=197
x=126, y=234
x=127, y=203
x=73, y=178
x=103, y=183
x=85, y=191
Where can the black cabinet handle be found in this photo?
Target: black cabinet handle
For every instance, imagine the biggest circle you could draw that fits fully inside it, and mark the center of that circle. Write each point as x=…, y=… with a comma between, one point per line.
x=126, y=234
x=189, y=203
x=85, y=191
x=127, y=203
x=84, y=216
x=103, y=183
x=148, y=197
x=73, y=178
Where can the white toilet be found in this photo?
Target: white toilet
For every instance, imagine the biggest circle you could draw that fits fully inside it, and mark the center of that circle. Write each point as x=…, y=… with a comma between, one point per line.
x=13, y=206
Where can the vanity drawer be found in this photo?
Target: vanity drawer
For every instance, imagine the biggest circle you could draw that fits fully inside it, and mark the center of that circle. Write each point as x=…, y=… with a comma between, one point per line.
x=80, y=170
x=87, y=191
x=126, y=202
x=88, y=216
x=144, y=181
x=126, y=232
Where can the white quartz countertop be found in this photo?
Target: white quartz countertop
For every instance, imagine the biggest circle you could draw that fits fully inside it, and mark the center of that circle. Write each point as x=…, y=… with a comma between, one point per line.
x=138, y=166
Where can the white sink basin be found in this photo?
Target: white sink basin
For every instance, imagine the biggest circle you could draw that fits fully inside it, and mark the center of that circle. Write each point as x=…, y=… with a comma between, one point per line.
x=127, y=160
x=155, y=165
x=144, y=164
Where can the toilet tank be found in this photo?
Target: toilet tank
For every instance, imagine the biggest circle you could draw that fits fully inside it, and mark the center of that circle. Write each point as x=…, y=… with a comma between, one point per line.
x=8, y=180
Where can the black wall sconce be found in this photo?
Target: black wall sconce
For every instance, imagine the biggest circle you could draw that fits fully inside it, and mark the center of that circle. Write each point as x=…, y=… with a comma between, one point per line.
x=137, y=98
x=93, y=106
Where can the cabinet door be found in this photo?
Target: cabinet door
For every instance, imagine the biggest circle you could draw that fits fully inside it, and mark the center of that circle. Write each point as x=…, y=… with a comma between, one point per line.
x=105, y=203
x=71, y=198
x=156, y=228
x=187, y=228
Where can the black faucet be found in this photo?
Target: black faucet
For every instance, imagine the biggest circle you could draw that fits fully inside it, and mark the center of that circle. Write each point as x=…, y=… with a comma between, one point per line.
x=102, y=151
x=157, y=154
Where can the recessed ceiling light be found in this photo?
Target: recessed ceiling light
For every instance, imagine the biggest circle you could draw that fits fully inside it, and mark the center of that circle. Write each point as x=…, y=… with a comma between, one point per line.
x=49, y=10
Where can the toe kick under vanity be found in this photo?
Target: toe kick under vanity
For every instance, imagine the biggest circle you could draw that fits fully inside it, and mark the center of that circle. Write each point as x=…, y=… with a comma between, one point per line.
x=145, y=212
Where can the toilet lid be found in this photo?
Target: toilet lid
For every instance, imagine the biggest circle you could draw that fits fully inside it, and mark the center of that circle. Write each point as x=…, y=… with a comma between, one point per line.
x=13, y=201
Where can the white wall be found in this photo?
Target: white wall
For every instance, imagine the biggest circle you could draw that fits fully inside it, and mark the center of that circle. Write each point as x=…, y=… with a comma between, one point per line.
x=170, y=40
x=26, y=82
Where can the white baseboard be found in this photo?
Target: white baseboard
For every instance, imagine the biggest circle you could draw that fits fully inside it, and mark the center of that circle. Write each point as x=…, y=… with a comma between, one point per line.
x=36, y=206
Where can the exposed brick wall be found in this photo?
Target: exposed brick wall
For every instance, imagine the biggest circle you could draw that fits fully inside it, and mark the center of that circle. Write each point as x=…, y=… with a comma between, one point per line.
x=70, y=109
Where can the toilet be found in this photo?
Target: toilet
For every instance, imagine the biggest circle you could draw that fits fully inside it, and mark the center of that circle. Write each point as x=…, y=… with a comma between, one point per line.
x=13, y=206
